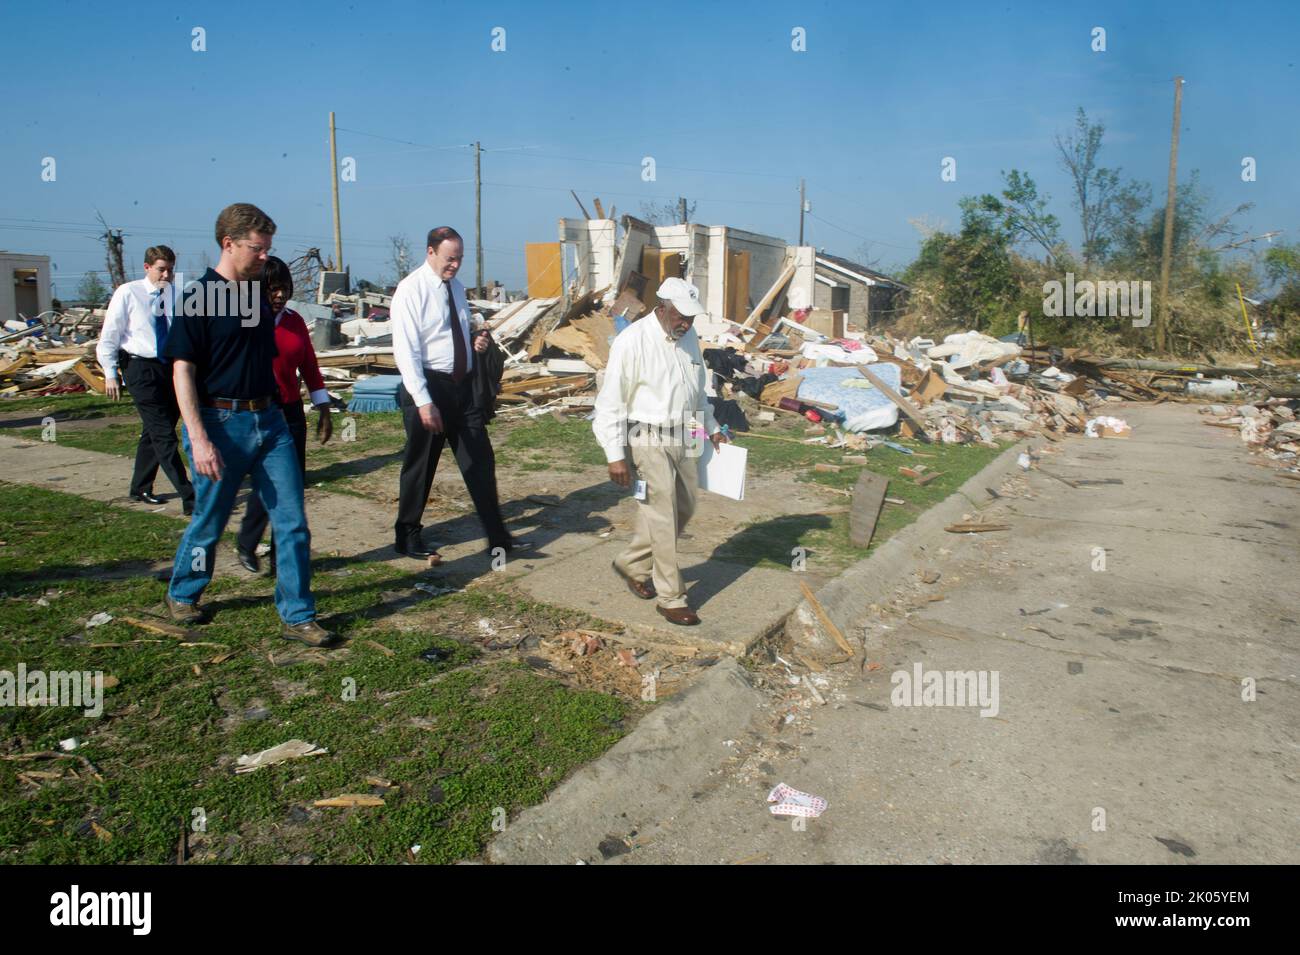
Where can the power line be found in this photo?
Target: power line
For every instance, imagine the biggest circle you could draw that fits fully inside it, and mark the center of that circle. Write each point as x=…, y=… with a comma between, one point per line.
x=859, y=235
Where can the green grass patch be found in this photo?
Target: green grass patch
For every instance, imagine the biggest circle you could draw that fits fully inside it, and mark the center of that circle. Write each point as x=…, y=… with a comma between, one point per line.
x=463, y=740
x=826, y=536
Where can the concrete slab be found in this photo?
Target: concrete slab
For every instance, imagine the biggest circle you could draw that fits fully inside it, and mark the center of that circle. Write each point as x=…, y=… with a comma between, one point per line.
x=738, y=605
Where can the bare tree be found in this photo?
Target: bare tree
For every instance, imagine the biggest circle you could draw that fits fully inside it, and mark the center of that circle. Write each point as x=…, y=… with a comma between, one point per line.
x=112, y=251
x=306, y=270
x=399, y=257
x=668, y=213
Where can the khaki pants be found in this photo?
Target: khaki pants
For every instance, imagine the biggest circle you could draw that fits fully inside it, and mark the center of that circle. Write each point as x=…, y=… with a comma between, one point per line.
x=671, y=475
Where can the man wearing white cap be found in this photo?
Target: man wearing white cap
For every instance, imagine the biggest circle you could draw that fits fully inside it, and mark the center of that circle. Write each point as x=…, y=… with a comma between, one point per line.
x=653, y=404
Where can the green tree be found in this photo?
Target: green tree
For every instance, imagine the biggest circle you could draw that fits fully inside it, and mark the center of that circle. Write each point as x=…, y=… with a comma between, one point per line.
x=92, y=291
x=1104, y=203
x=1020, y=213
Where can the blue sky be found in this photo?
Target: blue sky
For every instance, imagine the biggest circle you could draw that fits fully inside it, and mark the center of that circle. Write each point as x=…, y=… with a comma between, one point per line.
x=159, y=137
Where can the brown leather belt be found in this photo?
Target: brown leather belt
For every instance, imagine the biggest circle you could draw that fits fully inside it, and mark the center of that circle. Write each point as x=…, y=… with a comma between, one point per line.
x=240, y=404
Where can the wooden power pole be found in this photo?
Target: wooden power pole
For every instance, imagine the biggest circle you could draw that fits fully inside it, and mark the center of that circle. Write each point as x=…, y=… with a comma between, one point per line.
x=803, y=204
x=334, y=178
x=1167, y=250
x=478, y=221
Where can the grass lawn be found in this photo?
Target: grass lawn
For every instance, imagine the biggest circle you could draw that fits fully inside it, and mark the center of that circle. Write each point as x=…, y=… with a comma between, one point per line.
x=826, y=536
x=465, y=741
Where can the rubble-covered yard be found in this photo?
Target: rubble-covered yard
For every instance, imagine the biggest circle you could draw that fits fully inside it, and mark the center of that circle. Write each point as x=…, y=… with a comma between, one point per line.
x=513, y=697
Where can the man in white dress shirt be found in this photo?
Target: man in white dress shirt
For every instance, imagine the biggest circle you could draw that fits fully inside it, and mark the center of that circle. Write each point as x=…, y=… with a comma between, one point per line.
x=431, y=345
x=653, y=404
x=135, y=328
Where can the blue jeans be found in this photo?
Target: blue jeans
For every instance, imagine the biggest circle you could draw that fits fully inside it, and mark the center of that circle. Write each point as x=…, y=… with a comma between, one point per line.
x=254, y=444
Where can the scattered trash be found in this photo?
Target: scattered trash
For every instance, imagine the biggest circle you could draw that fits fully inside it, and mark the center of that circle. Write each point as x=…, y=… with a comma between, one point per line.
x=99, y=619
x=349, y=801
x=69, y=744
x=1107, y=427
x=435, y=655
x=293, y=749
x=792, y=802
x=435, y=591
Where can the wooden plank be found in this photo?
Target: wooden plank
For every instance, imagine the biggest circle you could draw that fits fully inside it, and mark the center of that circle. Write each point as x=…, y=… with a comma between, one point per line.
x=766, y=300
x=548, y=382
x=92, y=380
x=826, y=621
x=868, y=498
x=904, y=405
x=543, y=265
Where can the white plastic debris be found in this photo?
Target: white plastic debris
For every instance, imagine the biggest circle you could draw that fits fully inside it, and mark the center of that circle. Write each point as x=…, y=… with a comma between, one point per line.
x=99, y=619
x=69, y=744
x=792, y=802
x=293, y=749
x=1118, y=425
x=1025, y=461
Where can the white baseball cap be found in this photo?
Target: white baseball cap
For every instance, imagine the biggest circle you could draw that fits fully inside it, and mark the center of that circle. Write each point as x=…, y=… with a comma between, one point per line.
x=684, y=296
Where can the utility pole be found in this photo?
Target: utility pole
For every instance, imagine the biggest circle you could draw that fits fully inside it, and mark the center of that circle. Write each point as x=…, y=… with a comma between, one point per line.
x=478, y=220
x=681, y=209
x=1166, y=253
x=334, y=177
x=803, y=205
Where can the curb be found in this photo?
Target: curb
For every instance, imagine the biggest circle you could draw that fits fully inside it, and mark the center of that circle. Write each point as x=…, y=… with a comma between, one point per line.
x=639, y=782
x=870, y=580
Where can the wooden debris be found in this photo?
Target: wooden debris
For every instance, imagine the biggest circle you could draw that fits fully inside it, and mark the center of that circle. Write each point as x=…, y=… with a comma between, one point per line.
x=868, y=498
x=825, y=619
x=349, y=801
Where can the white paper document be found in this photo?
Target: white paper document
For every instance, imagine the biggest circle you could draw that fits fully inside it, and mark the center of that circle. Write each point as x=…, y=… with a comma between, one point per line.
x=723, y=471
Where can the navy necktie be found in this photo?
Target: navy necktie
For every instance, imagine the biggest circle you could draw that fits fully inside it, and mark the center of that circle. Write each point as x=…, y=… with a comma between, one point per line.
x=460, y=361
x=160, y=324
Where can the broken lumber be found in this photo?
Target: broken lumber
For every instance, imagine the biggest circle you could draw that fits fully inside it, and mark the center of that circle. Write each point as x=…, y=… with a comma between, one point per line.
x=826, y=621
x=904, y=405
x=864, y=512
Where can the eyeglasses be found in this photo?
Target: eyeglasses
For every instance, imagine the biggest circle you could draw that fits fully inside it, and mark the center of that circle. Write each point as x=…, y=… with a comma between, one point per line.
x=257, y=249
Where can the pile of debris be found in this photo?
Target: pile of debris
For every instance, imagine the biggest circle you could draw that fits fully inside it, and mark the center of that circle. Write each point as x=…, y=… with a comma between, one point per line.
x=1269, y=428
x=50, y=356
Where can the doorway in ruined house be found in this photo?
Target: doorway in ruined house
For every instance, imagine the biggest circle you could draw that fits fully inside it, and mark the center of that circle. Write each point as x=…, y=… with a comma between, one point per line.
x=27, y=297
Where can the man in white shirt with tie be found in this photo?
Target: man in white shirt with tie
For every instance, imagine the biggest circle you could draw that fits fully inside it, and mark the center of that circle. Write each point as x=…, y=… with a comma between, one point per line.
x=135, y=328
x=653, y=404
x=431, y=345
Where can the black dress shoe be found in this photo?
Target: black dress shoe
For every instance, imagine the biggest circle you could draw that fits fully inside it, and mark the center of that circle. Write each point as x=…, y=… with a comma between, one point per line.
x=146, y=498
x=248, y=560
x=517, y=543
x=187, y=508
x=413, y=547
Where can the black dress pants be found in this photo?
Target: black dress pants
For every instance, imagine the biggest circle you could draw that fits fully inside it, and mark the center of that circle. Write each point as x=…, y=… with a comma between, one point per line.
x=150, y=383
x=465, y=429
x=253, y=526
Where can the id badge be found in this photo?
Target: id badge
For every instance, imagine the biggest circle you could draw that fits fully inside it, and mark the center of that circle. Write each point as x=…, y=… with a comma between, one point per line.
x=639, y=491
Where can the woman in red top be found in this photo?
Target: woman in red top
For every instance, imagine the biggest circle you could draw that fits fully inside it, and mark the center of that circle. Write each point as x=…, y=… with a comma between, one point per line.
x=294, y=354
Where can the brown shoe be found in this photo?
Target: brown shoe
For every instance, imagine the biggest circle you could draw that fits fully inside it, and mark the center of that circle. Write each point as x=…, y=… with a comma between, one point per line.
x=642, y=588
x=183, y=613
x=310, y=633
x=682, y=616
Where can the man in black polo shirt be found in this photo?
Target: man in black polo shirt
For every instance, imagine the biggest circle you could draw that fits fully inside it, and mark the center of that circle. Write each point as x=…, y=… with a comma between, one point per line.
x=222, y=346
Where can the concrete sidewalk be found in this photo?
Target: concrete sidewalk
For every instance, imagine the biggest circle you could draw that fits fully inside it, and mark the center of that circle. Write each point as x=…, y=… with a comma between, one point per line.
x=576, y=542
x=1121, y=620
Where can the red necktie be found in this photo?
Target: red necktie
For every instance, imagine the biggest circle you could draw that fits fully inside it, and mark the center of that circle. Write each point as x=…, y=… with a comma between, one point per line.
x=457, y=338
